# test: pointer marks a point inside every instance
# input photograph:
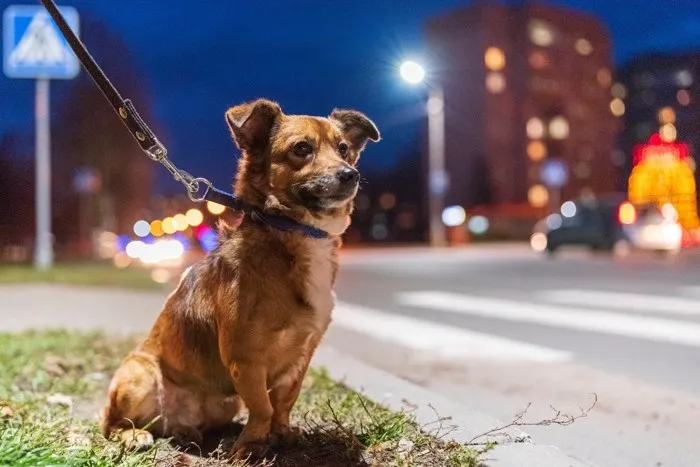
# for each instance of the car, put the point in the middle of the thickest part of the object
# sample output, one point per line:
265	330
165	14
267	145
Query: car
610	224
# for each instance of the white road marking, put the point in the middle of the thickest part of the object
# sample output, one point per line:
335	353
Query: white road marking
622	301
442	340
690	290
607	322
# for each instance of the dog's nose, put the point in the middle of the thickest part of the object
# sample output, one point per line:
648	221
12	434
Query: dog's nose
348	174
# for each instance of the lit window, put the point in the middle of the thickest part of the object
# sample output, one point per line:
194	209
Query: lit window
683	97
538	196
387	201
559	127
495	82
617	107
541	33
604	77
536	150
538	60
583	46
494	59
667	115
535	128
618	90
668	133
684	79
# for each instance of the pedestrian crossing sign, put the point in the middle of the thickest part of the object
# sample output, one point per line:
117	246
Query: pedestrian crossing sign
34	47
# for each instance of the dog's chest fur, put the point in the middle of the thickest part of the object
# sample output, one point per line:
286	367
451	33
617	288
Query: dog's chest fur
318	283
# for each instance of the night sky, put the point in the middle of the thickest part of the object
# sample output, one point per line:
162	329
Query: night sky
309	55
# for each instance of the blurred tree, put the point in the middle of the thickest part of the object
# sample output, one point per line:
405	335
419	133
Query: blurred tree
16	192
89	138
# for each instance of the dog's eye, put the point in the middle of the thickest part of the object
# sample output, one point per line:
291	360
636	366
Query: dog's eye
343	150
302	149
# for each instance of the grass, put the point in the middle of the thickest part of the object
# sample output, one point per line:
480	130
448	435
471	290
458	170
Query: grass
91	274
341	427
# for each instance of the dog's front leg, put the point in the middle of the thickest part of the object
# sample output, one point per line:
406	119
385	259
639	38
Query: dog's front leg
250	381
283	398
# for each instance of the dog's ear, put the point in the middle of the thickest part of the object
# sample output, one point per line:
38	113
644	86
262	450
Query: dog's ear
251	123
356	126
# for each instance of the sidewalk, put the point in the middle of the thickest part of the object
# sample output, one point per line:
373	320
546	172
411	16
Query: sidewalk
120	311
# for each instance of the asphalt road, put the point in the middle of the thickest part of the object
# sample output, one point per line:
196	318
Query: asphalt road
500	327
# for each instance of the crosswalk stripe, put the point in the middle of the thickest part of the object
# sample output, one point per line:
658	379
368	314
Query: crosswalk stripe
607	322
622	301
690	290
445	341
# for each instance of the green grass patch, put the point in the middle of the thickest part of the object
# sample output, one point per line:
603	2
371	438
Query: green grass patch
91	274
341	427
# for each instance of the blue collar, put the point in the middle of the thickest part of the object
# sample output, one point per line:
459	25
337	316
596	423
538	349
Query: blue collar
276	221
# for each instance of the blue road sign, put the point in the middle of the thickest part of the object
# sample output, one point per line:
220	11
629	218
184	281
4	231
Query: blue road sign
34	47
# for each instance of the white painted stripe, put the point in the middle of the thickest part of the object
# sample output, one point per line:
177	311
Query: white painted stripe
607	322
622	301
442	340
690	290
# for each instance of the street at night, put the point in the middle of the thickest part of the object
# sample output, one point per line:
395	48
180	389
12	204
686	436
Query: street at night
499	327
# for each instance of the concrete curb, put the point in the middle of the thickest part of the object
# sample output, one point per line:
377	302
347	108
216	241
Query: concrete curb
514	447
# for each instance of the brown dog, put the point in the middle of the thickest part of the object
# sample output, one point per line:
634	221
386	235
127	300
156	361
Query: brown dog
245	321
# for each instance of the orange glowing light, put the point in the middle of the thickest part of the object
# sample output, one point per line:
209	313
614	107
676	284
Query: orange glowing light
627	214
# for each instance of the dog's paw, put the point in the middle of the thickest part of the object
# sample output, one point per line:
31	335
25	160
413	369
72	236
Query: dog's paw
285	435
250	450
137	440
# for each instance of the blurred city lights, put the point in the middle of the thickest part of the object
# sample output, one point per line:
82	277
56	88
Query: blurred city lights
541	33
494	59
604	77
559	127
215	208
684	79
180	222
121	260
169	225
452	216
122	242
536	150
194	217
627	214
583	46
208	239
669	212
142	228
668	133
535	128
538	241
135	249
617	107
568	209
495	82
683	97
478	225
157	228
667	115
553	221
412	72
538	196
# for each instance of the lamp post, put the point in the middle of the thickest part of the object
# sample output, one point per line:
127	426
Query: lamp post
414	73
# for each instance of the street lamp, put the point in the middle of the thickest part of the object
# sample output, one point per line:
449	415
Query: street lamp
414	73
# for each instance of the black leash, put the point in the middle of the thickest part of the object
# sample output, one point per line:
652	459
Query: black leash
157	151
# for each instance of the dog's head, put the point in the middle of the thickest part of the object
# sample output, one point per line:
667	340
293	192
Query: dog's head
305	167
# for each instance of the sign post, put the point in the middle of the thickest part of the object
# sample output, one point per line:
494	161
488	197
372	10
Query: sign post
34	48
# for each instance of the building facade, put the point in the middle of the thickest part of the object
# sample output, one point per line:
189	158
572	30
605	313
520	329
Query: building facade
525	86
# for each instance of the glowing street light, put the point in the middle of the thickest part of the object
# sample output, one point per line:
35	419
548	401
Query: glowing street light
412	72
